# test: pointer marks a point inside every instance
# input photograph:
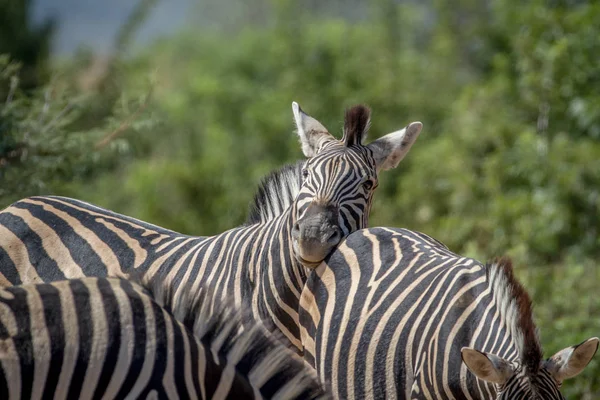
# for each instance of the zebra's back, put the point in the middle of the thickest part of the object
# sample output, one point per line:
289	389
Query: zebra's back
52	238
109	338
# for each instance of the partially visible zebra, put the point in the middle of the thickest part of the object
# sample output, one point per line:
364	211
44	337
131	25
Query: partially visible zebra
263	265
392	313
109	338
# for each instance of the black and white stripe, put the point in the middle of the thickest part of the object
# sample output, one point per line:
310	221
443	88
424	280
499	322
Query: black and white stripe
392	313
109	338
262	265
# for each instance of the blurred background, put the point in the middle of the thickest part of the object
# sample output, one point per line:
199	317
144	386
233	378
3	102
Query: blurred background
171	111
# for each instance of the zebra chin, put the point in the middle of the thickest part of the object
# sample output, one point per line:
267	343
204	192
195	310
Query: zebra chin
311	255
309	264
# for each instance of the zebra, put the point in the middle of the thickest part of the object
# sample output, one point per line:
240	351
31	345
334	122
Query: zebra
110	338
393	313
262	265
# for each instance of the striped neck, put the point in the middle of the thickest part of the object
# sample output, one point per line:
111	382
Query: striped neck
256	262
280	276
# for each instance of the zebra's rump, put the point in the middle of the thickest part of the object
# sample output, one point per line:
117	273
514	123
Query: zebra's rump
108	338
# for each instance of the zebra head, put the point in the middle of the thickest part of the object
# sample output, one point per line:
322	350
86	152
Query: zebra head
339	179
516	380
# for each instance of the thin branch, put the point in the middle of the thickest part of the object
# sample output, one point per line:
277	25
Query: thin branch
62	112
14	82
125	124
46	106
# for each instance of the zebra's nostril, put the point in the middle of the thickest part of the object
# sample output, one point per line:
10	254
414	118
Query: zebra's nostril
296	230
335	237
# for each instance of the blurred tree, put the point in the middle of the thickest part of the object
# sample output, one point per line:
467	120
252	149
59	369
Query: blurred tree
105	75
40	147
68	129
25	42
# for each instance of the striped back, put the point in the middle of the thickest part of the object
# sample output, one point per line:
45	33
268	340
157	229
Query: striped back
393	313
108	338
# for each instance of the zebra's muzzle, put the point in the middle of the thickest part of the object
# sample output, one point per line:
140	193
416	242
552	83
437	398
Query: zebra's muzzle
316	234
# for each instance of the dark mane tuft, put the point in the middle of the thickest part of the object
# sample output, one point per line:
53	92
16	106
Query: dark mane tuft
356	125
531	352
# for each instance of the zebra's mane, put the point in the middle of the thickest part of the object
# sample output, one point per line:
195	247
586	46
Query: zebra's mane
357	121
275	193
234	336
516	309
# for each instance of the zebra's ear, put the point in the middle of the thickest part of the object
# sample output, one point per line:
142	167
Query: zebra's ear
391	149
487	367
571	361
313	135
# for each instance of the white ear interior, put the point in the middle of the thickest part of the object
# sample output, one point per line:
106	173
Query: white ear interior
390	149
312	133
487	367
297	117
569	362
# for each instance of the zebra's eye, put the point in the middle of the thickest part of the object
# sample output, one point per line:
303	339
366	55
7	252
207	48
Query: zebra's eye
368	184
305	173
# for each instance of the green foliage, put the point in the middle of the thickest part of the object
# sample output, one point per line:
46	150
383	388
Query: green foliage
508	161
41	146
228	120
566	310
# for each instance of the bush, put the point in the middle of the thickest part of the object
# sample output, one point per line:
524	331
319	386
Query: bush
43	148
